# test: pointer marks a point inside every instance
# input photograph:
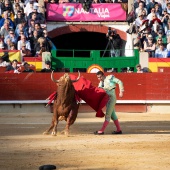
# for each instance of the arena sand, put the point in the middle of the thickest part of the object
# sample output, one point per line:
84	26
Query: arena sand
144	144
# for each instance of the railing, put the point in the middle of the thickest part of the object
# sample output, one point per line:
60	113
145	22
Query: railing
73	60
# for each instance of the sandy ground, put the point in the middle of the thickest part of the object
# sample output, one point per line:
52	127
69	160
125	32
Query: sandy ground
144	144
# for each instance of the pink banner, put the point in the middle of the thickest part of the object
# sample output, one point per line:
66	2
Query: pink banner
75	12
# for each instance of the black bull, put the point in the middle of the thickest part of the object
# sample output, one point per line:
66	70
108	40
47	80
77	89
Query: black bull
65	105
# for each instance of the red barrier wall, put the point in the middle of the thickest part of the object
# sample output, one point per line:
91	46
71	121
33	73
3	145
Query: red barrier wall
38	86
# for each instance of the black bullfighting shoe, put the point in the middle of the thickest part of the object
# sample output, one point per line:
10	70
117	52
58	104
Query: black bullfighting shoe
99	133
117	132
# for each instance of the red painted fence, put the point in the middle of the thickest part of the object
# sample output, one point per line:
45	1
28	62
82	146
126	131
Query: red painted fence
38	86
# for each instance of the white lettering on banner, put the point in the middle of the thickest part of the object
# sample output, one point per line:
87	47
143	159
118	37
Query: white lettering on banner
101	12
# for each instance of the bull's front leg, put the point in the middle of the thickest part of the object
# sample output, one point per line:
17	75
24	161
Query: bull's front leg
54	131
71	119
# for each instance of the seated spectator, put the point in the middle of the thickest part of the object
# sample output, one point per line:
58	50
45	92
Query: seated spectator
39	29
48	40
5	17
8	42
24	51
33	41
11	36
42	46
144	14
162	36
137	42
19	30
3	54
31	28
5	30
158	9
23	40
19	18
150	5
6	5
3	63
161	52
150	46
164	20
17	5
13	67
37	16
158	42
139	68
47	67
27	68
12	46
140	9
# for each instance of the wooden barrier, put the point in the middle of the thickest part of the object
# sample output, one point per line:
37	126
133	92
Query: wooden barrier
141	90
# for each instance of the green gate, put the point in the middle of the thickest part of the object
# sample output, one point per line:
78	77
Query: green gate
73	60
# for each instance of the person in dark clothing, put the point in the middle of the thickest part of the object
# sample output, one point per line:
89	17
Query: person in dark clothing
27	68
115	42
47	67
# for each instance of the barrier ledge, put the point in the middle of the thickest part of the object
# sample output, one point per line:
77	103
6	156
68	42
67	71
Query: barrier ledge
118	101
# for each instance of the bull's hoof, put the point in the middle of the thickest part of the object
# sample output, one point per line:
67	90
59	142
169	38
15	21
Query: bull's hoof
45	133
53	134
62	132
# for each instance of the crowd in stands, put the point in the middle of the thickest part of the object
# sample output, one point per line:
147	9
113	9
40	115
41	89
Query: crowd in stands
151	25
23	28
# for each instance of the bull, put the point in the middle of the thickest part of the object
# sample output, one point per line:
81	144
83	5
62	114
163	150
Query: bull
65	105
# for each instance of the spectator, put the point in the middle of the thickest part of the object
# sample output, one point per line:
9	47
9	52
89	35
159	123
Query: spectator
19	18
158	42
13	67
33	41
161	52
31	28
21	31
162	36
3	54
5	17
3	63
140	9
137	42
12	46
5	30
6	5
23	40
39	16
47	67
41	46
158	9
139	20
139	68
8	42
144	14
48	40
24	51
27	68
151	5
11	36
153	14
164	20
150	46
39	29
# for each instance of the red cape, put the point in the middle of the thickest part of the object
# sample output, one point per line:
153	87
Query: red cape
95	97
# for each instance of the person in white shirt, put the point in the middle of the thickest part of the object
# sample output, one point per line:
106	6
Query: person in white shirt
23	40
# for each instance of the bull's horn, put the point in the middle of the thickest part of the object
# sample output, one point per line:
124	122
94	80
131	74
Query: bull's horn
77	78
52	78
